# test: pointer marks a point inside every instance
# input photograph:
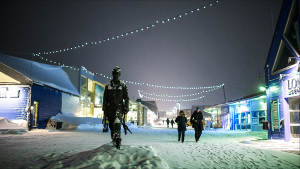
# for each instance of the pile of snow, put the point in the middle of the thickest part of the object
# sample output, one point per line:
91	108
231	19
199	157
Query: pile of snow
90	127
83	123
14	124
107	157
76	120
12	127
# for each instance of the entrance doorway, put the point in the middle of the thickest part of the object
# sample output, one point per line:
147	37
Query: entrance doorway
294	104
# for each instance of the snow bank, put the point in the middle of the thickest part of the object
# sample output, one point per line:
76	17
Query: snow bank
76	120
90	127
14	124
12	127
107	157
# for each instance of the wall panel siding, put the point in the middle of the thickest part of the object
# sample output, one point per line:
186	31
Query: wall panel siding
49	103
14	108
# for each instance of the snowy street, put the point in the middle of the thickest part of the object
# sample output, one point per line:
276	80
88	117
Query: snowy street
216	149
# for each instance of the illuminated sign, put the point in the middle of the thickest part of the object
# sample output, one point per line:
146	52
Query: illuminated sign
292	86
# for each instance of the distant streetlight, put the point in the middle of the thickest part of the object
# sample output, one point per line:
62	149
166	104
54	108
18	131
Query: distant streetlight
262	88
178	106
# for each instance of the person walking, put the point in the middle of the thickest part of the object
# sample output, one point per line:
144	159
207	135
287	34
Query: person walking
168	121
172	123
196	120
181	121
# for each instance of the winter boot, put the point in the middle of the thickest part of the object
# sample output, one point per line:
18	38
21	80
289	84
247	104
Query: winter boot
118	143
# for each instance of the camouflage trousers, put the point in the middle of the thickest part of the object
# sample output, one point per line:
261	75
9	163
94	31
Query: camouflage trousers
115	127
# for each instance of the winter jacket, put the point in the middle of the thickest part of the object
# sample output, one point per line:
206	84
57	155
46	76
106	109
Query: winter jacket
172	122
115	98
197	116
181	122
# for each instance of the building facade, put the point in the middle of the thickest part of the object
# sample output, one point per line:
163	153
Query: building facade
247	113
28	86
282	75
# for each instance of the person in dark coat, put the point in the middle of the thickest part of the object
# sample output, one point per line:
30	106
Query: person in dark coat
115	105
181	121
196	120
168	121
172	123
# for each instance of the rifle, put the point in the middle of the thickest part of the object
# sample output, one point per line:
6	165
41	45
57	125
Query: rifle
124	125
104	124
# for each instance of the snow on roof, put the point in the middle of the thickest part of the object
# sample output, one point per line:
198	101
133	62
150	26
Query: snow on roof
43	74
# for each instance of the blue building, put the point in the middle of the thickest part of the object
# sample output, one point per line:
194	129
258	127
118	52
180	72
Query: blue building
31	86
282	75
248	113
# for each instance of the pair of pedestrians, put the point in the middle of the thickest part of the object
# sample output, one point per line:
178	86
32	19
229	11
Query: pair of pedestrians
196	120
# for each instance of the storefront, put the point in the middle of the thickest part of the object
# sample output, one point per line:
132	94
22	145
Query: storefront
291	95
248	113
282	75
91	93
240	115
215	120
258	109
225	117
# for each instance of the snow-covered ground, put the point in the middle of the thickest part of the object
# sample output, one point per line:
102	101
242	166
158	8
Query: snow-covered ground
147	147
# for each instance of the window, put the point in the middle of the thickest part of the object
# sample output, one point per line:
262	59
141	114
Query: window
3	92
290	46
292	28
83	86
9	92
282	58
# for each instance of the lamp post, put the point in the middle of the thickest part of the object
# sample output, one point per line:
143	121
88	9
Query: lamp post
224	94
178	104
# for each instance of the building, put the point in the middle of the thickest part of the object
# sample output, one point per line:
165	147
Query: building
47	90
215	119
31	86
248	112
91	92
282	75
150	111
245	113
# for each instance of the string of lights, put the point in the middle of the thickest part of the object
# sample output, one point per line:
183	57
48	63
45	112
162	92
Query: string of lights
177	96
145	84
128	33
171	100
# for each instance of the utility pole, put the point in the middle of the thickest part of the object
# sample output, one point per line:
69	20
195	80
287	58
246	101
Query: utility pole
224	93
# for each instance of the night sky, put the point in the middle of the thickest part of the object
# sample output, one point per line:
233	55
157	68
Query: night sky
227	43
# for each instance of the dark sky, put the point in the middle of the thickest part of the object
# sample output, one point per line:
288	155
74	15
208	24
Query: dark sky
227	43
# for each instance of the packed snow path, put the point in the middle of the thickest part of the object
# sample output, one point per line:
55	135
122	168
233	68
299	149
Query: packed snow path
216	149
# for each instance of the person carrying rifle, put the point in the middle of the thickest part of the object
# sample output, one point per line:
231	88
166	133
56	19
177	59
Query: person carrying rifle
116	106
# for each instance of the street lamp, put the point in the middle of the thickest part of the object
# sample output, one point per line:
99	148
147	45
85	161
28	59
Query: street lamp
178	106
262	88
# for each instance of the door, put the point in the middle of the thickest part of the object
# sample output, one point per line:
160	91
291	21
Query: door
294	104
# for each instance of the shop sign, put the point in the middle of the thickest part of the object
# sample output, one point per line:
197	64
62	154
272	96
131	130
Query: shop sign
292	86
275	114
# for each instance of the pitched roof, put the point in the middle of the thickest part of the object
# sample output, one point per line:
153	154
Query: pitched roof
42	74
